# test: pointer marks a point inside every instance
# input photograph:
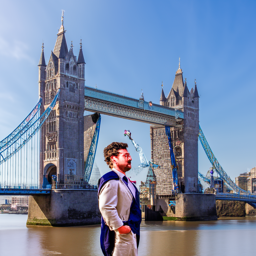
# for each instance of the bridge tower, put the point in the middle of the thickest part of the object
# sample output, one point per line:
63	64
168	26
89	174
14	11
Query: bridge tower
184	139
62	137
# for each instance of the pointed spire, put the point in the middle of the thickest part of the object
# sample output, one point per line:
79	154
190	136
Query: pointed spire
42	60
162	97
80	56
62	18
196	95
179	71
71	49
61	30
60	48
186	91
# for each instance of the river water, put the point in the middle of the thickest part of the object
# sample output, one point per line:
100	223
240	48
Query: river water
233	236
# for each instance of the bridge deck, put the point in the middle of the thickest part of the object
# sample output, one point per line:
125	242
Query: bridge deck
129	108
24	192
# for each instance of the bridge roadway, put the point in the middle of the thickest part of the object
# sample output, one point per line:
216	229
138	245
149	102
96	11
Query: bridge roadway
24	191
134	109
39	191
250	199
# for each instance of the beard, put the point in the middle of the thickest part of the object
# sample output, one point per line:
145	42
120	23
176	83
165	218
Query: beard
127	167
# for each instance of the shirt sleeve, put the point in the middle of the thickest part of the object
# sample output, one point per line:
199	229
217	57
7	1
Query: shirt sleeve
108	199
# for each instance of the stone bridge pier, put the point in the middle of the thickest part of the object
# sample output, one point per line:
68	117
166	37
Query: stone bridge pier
64	207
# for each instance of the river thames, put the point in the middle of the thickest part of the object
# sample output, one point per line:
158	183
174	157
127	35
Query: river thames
229	236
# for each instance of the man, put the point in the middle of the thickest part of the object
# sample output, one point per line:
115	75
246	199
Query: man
119	205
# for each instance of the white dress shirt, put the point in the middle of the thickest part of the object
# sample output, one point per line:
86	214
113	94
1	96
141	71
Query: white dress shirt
130	185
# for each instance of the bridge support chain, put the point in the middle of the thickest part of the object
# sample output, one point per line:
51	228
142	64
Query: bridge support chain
187	207
64	208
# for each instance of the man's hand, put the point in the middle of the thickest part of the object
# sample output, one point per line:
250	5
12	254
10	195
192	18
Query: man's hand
124	229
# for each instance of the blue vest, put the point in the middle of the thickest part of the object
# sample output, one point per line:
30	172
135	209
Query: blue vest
107	237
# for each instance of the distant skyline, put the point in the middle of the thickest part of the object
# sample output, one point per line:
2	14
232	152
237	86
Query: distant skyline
133	46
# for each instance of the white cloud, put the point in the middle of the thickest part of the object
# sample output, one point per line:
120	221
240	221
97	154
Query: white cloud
16	49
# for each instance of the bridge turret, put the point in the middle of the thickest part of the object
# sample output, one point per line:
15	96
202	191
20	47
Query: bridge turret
184	139
81	62
62	138
162	98
41	66
196	96
186	91
41	73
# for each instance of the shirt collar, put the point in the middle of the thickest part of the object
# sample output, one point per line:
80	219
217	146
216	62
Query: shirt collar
121	175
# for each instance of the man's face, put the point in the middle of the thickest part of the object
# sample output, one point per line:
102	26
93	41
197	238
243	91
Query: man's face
123	161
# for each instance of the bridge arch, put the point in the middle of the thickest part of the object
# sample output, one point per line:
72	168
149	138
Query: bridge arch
49	170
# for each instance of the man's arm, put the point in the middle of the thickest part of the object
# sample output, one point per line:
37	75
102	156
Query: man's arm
108	203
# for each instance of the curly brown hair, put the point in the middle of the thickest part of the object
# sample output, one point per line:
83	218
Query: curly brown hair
112	150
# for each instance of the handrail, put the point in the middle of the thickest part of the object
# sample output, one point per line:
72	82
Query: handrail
217	165
28	119
11	148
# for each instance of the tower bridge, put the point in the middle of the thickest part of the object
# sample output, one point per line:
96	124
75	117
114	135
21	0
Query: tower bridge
54	147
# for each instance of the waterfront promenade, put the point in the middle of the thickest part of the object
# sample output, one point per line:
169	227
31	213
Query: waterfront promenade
230	236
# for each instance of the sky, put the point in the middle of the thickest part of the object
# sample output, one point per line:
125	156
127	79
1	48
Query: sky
134	46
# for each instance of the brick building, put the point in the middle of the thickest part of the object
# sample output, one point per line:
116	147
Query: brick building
247	180
20	200
251	181
184	139
241	180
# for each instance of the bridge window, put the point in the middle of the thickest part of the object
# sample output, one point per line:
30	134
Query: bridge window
72	88
172	101
178	151
67	67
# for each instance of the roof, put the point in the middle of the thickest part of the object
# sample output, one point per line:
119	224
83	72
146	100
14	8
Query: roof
162	98
196	95
186	91
42	59
178	84
60	48
54	58
80	57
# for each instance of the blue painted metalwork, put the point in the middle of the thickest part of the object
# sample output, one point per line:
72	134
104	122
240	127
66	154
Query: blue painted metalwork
204	178
172	203
250	199
24	192
173	161
26	122
135	103
216	165
92	152
28	129
19	152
